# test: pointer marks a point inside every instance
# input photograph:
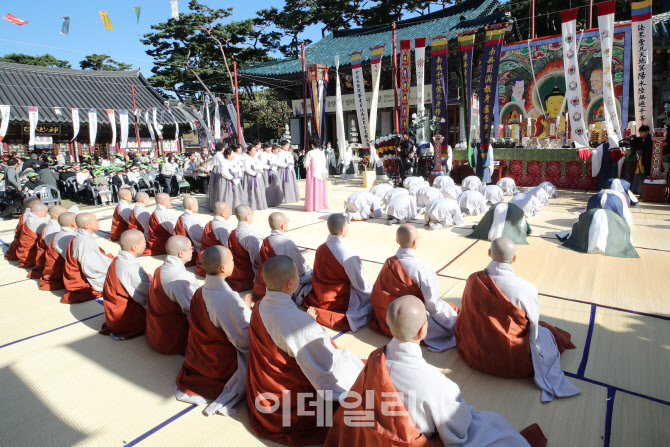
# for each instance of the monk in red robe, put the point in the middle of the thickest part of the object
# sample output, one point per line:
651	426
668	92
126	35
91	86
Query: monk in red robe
290	357
339	297
161	225
499	331
33	225
169	299
44	238
424	407
54	262
216	232
126	289
10	255
187	225
245	245
121	214
86	264
218	340
140	217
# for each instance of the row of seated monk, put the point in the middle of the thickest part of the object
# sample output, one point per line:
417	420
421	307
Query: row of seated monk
262	346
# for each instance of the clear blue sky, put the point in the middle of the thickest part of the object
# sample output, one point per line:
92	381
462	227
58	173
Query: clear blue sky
88	34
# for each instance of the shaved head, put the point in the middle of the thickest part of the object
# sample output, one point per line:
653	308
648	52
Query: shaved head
241	212
56	211
66	219
141	197
221	208
406	235
176	244
125	194
190	203
336	222
276	220
277	271
84	219
405	317
214	257
130	238
39	208
162	199
29	200
503	250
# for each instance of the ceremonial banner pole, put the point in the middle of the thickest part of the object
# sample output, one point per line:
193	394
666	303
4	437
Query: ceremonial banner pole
420	60
488	94
405	77
642	58
466	45
439	69
573	83
396	122
137	124
237	106
359	98
376	60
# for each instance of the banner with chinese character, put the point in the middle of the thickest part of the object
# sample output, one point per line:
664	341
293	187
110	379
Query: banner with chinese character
359	97
147	120
466	45
405	77
572	79
487	87
112	124
92	126
158	130
420	61
75	123
376	61
123	124
439	75
217	121
4	116
642	59
33	117
105	21
339	114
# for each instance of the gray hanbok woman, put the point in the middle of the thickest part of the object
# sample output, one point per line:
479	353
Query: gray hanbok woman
232	190
216	182
287	178
253	181
273	192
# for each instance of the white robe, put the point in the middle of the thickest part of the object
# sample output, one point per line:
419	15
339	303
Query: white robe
178	283
627	215
346	161
443	212
493	194
550	189
426	195
299	335
451	191
402	207
317	159
250	242
143	217
62	240
416	187
530	204
36	223
124	210
165	218
283	246
360	308
508	185
442	180
409	181
435	403
93	264
546	358
362	205
228	313
381	189
540	193
471	183
617	186
441	316
133	277
221	230
192	226
49	231
472	202
393	193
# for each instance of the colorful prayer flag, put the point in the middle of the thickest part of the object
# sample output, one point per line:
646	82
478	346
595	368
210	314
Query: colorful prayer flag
359	97
65	28
440	76
376	53
15	20
405	75
105	21
137	9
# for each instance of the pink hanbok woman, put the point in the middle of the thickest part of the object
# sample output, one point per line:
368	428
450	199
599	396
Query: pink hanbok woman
316	194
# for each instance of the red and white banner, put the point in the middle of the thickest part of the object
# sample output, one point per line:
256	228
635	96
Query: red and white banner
15	20
112	124
606	28
148	121
33	117
75	123
92	127
4	116
158	131
176	125
573	83
642	58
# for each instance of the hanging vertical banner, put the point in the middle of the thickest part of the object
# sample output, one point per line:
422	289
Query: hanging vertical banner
209	122
33	117
574	96
612	123
642	58
439	75
405	70
15	20
377	53
359	97
488	86
65	28
105	21
75	123
4	116
217	120
92	127
158	130
147	120
204	136
112	124
123	124
175	9
466	45
176	125
138	10
232	112
339	114
420	61
317	96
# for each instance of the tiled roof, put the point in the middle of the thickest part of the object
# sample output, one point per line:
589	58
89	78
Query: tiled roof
22	86
661	26
470	14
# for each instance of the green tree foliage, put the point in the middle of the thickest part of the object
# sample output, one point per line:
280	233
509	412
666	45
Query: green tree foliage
103	62
45	60
264	115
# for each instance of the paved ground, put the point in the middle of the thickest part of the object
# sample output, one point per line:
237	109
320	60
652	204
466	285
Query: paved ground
63	384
